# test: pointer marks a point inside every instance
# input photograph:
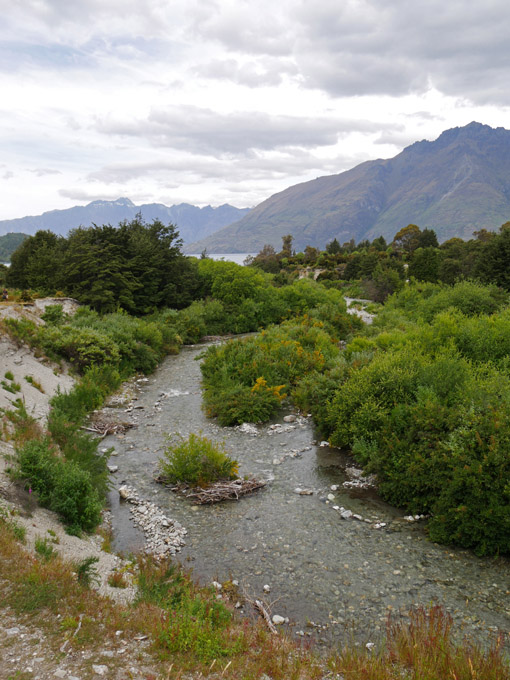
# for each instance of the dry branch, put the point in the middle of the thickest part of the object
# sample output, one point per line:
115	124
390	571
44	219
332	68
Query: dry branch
104	428
218	491
259	606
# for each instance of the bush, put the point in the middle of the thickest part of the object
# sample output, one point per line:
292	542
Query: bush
197	461
60	485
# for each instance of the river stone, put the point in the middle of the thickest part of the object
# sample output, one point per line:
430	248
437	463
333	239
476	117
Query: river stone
289	419
278	620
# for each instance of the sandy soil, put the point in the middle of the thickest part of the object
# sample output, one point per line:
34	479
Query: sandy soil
22	363
23	652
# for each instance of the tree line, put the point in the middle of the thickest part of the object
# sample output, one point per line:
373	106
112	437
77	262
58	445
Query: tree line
136	266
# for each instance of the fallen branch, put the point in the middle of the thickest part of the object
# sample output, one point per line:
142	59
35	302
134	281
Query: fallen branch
105	428
218	491
259	606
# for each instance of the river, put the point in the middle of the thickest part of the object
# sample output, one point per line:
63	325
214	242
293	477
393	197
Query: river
344	576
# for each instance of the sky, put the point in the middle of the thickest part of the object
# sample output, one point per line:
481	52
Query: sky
231	101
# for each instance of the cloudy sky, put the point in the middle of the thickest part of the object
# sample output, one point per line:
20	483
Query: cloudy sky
231	101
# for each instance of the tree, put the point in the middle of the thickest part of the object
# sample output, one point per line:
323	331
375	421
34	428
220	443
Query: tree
379	243
311	254
428	239
37	262
407	239
266	259
424	265
287	246
333	247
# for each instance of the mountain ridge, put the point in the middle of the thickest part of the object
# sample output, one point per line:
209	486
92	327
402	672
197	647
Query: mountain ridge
455	184
192	222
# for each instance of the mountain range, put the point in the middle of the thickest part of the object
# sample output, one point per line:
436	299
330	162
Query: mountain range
192	222
455	185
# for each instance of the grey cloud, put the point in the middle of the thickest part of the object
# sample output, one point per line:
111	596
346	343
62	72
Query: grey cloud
8	174
202	131
461	48
373	47
40	172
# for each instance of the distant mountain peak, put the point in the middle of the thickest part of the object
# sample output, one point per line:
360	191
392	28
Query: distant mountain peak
192	222
455	184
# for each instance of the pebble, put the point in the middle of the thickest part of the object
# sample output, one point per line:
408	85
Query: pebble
266	588
331	497
163	536
113	468
278	620
99	669
289	419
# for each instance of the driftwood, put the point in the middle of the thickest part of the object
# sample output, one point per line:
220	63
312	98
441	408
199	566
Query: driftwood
218	491
104	428
259	606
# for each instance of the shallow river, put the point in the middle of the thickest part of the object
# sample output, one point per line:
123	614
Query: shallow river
345	575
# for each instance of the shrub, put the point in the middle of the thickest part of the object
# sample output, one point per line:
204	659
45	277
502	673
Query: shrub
60	485
197	461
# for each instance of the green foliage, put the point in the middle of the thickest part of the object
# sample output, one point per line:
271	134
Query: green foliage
36	592
44	548
199	627
425	407
246	380
137	266
197	461
9	243
86	571
54	315
60	485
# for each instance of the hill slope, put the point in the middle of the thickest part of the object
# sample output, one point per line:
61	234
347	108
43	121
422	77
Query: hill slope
455	185
192	222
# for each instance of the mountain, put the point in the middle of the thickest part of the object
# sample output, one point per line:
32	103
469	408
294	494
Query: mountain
455	185
192	222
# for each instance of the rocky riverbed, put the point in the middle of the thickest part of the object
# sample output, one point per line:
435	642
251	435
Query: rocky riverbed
336	558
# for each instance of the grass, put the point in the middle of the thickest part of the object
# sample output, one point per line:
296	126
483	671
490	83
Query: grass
193	632
35	383
44	548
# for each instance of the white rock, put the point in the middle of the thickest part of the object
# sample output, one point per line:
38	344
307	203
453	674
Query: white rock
113	468
346	514
267	589
99	669
217	585
334	487
278	620
289	419
324	443
370	646
331	497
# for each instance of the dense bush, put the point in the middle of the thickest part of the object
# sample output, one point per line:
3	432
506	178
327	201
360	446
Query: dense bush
426	407
197	461
61	485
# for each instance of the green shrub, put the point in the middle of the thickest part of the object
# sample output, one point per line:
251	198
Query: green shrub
86	571
60	485
44	549
197	461
54	315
